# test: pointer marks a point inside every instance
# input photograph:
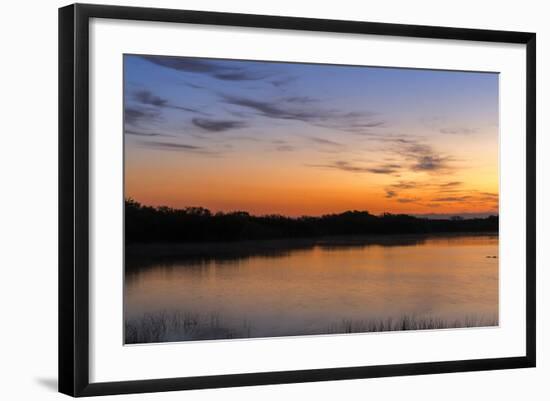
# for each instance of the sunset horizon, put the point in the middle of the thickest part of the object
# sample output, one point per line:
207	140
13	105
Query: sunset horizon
466	215
309	139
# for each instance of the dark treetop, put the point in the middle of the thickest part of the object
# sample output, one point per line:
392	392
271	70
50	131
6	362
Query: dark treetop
197	224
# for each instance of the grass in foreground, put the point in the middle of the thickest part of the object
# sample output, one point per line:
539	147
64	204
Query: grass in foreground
177	326
409	322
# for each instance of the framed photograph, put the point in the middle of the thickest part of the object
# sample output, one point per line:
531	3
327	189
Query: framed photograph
250	199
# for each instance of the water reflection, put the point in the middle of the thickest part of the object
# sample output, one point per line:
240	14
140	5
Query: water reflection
275	288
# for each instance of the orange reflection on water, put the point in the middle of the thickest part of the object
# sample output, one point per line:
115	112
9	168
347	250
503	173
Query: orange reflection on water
304	291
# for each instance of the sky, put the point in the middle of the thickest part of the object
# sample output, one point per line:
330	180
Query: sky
309	139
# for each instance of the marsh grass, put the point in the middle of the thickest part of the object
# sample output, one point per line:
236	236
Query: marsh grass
410	322
178	326
167	326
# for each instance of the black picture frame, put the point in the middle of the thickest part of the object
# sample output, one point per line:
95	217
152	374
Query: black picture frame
74	191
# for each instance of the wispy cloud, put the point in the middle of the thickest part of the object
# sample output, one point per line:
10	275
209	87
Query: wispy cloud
144	134
407	155
282	81
354	168
438	193
421	157
405	185
306	110
285	148
212	68
180	147
458	131
245	138
408	200
452	199
385	169
323	141
450	184
300	99
272	109
146	97
430	162
472	197
193	85
373	124
137	115
445	126
212	125
435	187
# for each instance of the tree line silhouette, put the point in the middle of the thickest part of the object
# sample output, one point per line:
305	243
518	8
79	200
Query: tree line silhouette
197	224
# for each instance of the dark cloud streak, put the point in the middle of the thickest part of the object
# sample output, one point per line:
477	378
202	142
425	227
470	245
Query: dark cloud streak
408	200
282	82
458	131
144	134
214	69
305	110
180	147
212	125
430	162
137	115
285	148
346	166
422	157
324	141
453	199
148	98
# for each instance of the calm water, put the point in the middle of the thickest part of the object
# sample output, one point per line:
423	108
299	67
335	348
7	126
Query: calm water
276	289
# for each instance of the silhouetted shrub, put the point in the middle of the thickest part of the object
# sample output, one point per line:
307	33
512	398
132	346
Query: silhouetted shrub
197	224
